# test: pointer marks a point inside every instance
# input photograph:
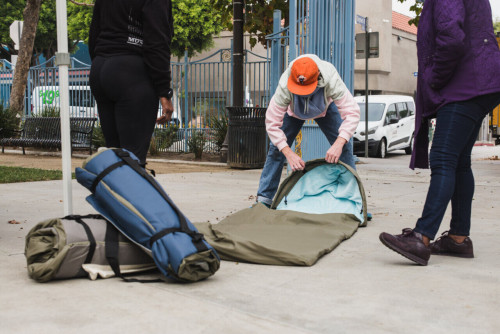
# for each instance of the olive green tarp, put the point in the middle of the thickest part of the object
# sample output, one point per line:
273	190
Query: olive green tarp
265	235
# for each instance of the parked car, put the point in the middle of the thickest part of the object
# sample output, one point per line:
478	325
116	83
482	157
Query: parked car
81	101
391	124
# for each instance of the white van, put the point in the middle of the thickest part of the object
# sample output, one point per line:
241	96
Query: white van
391	124
81	101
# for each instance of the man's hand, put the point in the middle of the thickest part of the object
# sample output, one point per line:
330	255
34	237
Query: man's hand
167	110
334	152
295	162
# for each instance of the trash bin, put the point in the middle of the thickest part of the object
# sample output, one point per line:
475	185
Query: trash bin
247	137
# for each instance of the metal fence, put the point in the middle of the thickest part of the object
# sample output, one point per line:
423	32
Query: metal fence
202	90
6	74
321	27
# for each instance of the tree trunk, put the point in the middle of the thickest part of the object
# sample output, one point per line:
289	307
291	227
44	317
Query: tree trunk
31	15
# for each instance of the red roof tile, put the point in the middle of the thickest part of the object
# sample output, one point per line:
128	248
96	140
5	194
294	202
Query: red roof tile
400	22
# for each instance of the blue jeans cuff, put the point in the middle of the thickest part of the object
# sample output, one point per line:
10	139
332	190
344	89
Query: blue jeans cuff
264	200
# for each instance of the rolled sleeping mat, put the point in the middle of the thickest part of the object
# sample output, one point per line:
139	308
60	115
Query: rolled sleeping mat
79	246
136	204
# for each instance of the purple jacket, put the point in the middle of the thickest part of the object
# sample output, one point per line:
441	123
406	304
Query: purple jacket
458	59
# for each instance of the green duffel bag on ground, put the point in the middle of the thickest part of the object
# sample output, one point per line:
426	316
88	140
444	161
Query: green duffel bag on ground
79	246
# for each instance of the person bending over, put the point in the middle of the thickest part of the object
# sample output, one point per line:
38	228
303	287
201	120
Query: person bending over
310	88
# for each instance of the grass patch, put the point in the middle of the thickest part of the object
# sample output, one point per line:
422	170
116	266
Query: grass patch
20	174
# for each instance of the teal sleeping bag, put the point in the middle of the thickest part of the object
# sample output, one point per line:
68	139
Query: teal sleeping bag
313	211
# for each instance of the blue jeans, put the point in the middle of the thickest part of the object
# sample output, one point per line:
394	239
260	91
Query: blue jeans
457	128
271	174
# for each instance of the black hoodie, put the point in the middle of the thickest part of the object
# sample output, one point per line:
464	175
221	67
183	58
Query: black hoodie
135	27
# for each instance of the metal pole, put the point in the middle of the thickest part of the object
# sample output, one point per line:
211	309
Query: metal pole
275	52
63	61
292	24
367	55
186	99
238	53
237	95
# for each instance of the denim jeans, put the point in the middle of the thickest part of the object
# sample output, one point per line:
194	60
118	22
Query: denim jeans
271	174
457	128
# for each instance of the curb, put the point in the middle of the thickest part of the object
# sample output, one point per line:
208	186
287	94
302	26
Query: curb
85	156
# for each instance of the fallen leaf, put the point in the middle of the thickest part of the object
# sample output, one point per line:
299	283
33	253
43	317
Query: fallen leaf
13	221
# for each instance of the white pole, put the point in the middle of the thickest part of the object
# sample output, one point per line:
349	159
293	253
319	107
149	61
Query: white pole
63	61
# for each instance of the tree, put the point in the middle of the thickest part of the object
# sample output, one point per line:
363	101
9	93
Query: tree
10	10
258	17
79	17
496	25
195	24
46	32
417	9
31	14
44	42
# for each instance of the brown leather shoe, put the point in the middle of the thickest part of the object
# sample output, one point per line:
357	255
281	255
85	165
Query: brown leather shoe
409	244
445	245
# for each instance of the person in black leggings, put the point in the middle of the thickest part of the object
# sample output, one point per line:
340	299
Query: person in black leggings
129	43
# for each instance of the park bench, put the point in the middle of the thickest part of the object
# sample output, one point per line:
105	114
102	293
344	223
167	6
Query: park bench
45	132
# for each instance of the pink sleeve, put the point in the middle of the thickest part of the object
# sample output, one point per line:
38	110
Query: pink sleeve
349	111
274	121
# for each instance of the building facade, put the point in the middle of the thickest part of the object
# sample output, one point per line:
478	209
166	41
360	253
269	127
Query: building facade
394	71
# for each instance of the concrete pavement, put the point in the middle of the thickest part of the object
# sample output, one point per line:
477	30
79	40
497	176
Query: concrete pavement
361	287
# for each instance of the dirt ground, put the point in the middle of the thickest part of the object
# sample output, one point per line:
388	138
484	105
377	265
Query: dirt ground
54	162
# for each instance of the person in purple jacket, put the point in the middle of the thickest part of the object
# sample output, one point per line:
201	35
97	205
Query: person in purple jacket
458	84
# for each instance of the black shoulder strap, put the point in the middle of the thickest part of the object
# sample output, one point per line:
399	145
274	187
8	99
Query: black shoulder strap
197	238
111	251
105	172
90	236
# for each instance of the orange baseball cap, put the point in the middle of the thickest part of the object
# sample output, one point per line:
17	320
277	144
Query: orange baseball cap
303	78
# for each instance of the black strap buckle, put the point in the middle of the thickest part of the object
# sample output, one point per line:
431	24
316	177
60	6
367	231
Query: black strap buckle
122	153
196	237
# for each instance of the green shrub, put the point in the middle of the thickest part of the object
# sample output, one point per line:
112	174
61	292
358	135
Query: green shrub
98	138
196	143
162	139
49	111
9	122
218	126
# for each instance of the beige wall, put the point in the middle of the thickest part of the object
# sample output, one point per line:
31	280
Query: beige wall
379	13
404	63
392	72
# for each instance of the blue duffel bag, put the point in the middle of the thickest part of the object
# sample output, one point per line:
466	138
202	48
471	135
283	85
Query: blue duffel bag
135	203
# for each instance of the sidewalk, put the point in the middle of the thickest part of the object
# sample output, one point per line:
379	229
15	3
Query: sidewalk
361	287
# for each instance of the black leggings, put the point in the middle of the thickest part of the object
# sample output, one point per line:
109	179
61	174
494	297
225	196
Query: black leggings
126	101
